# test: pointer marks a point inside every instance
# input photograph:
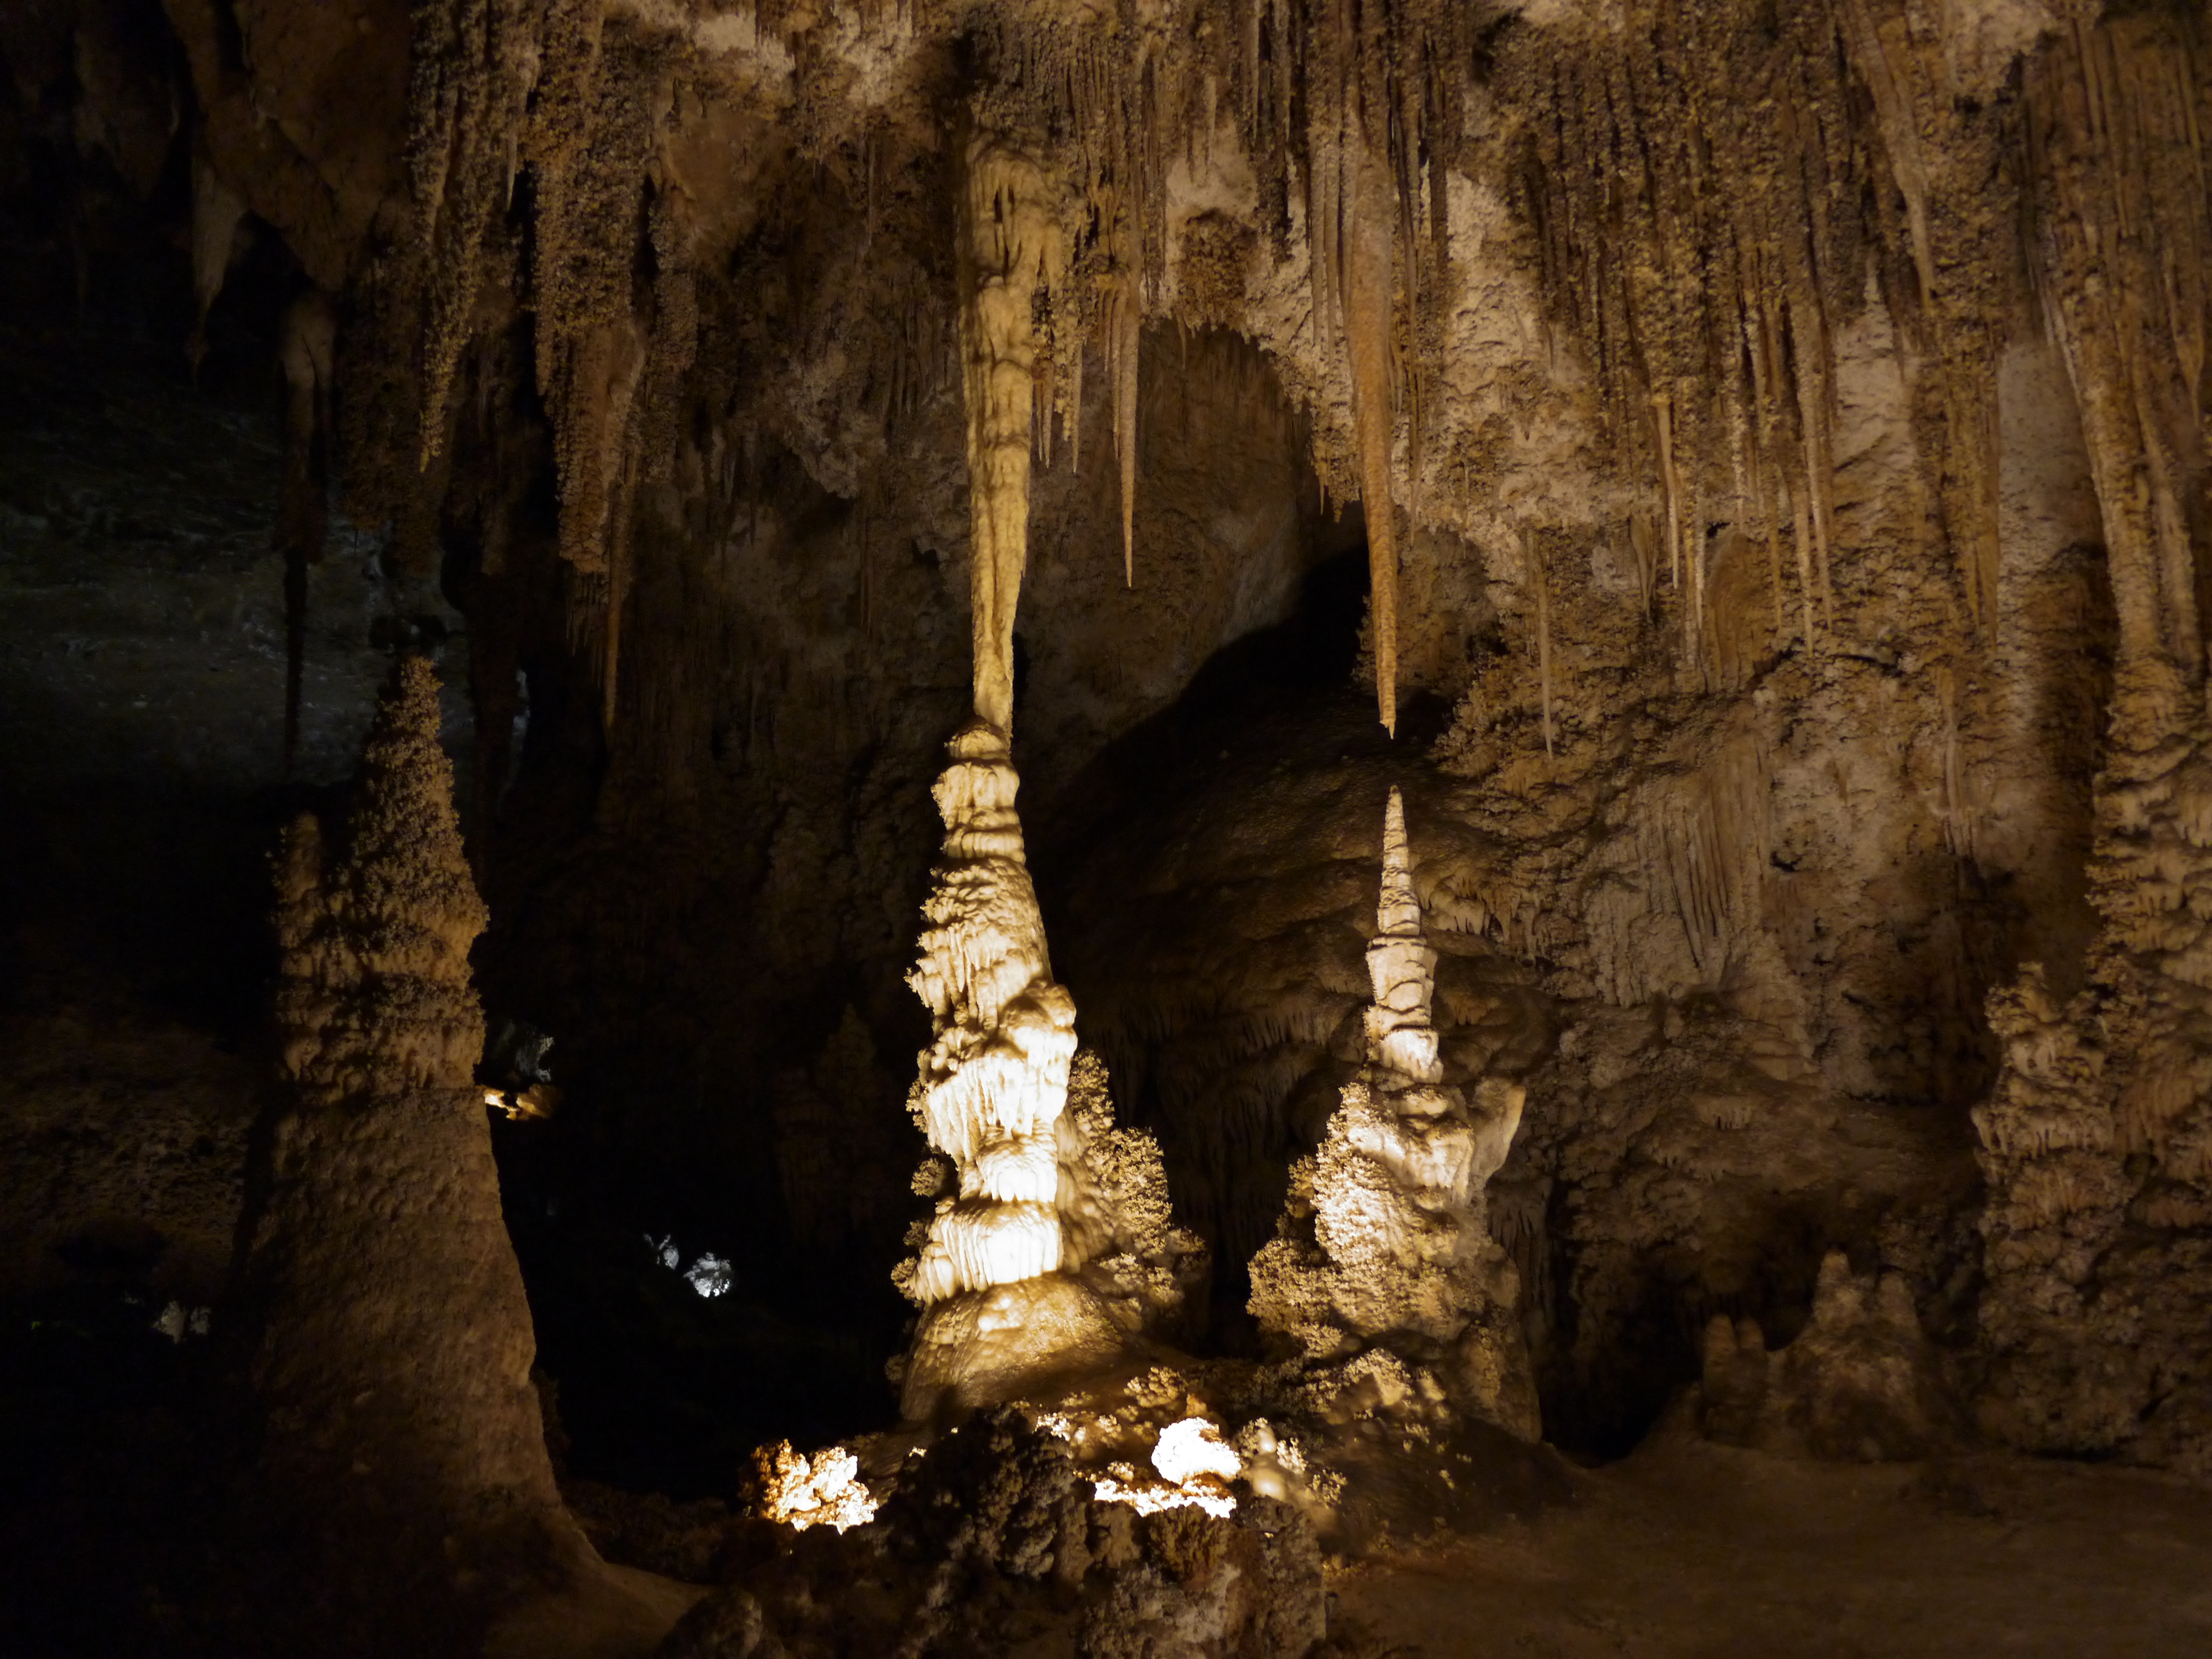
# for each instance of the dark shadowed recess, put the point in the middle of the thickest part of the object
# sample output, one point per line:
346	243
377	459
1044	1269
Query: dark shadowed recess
1285	706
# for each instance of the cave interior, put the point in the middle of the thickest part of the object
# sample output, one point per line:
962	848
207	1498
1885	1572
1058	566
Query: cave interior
1278	828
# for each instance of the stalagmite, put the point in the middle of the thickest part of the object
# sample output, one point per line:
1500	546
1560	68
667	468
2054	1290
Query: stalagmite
1382	1275
379	1310
1859	1383
999	1316
381	1178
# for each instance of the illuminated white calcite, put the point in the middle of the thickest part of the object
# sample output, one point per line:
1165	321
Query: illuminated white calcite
998	1313
1383	1267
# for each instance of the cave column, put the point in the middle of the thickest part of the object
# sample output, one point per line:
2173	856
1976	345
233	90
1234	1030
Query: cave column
999	1317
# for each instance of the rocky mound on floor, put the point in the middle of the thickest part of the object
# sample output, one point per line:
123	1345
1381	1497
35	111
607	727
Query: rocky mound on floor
993	1544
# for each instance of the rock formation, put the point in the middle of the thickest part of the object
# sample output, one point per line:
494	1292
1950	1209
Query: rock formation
1778	431
401	1455
1116	1215
1859	1383
1384	1277
993	1545
1007	1307
999	1316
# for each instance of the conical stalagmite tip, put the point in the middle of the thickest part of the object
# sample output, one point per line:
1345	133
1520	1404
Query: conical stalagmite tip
1398	912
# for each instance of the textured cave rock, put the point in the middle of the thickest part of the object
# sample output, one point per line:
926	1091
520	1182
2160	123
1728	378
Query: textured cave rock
992	1546
1740	469
397	1445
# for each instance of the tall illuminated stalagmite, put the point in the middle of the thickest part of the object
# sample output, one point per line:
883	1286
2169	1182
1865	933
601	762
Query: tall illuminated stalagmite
1383	1276
999	1315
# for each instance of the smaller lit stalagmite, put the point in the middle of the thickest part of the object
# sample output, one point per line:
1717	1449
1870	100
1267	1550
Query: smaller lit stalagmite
1383	1276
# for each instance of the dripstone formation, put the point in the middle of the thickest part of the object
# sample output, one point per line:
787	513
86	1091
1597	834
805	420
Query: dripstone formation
399	1456
1384	1276
1734	478
999	1317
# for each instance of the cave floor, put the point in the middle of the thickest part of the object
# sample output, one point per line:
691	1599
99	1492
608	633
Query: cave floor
1689	1549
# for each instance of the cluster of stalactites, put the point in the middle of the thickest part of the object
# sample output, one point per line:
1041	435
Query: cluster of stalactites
994	1080
1650	157
1715	190
557	89
1349	117
2119	139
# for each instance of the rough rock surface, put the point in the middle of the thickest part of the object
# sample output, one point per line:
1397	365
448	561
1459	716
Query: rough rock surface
993	1545
400	1457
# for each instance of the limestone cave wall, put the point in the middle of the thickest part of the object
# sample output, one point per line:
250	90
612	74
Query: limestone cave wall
1738	467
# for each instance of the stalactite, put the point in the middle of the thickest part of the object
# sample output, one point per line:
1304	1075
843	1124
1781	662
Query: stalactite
1124	330
1368	313
1008	241
1532	553
590	344
1709	192
474	65
1947	152
2117	116
642	453
1670	486
217	211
